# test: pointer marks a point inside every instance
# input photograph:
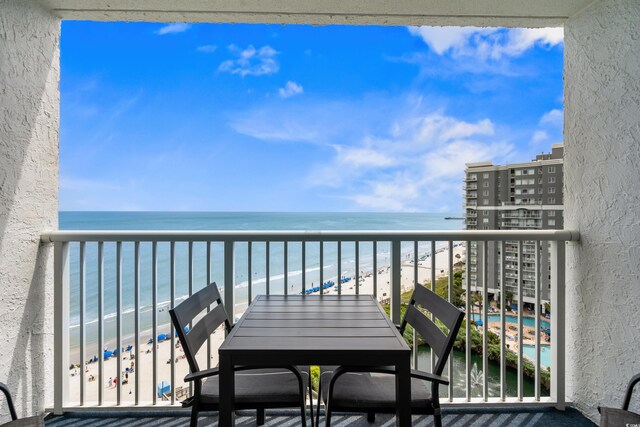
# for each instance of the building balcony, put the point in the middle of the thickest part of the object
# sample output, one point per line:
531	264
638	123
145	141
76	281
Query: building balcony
521	215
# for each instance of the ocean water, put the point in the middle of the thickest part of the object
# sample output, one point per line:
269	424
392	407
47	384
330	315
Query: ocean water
219	221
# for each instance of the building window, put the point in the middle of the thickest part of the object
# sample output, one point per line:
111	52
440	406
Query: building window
552	169
485	175
552	180
485	220
552	200
485	202
552	190
485	184
552	222
552	213
485	213
485	193
540	181
539	190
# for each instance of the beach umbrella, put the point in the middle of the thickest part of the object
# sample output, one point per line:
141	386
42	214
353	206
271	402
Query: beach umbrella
107	354
164	387
479	322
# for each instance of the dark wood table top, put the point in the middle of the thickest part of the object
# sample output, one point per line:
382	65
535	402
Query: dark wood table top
318	325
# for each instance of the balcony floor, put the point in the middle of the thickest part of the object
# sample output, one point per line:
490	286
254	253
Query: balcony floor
452	417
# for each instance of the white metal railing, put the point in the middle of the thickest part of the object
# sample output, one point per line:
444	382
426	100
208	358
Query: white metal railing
108	268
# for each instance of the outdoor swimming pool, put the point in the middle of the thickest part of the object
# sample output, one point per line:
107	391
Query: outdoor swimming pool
526	321
545	354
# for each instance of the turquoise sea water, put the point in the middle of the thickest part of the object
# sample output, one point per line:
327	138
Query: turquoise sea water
219	221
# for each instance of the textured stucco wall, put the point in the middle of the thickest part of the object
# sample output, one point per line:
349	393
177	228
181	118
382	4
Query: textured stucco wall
602	190
29	121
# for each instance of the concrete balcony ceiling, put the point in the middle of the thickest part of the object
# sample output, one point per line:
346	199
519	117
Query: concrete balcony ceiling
513	13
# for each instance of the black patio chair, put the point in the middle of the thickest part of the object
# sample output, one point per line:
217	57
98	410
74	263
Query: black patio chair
36	421
372	389
258	389
611	417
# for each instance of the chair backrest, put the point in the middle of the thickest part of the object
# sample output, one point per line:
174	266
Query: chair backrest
441	343
183	315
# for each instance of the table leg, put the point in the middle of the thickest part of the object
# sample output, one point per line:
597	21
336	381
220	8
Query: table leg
227	392
403	393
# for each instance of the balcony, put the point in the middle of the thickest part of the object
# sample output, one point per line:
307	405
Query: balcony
470	187
524	202
598	40
521	215
520	224
113	289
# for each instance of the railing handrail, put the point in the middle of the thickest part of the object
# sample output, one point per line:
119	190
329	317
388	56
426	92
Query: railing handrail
305	235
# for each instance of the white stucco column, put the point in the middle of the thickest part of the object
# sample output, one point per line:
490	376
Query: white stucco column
29	122
602	201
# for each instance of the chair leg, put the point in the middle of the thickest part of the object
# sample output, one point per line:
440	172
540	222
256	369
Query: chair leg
327	415
319	400
437	417
371	417
303	413
304	404
260	416
194	416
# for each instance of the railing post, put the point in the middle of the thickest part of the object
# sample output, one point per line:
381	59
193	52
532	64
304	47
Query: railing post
229	278
61	325
558	323
395	281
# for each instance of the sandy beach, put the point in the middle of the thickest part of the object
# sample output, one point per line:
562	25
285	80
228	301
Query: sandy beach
144	366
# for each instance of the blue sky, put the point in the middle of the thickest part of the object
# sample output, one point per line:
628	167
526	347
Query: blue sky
213	117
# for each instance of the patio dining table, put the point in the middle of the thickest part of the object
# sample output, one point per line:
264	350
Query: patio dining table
350	330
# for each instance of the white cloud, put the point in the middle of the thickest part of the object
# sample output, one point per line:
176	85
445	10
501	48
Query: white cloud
487	43
415	166
176	27
442	39
251	61
385	154
207	48
539	136
358	157
554	117
290	89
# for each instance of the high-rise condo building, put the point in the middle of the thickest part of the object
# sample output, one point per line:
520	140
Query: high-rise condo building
519	196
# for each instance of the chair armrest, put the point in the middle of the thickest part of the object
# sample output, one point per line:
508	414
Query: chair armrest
429	377
7	395
201	374
390	370
627	396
